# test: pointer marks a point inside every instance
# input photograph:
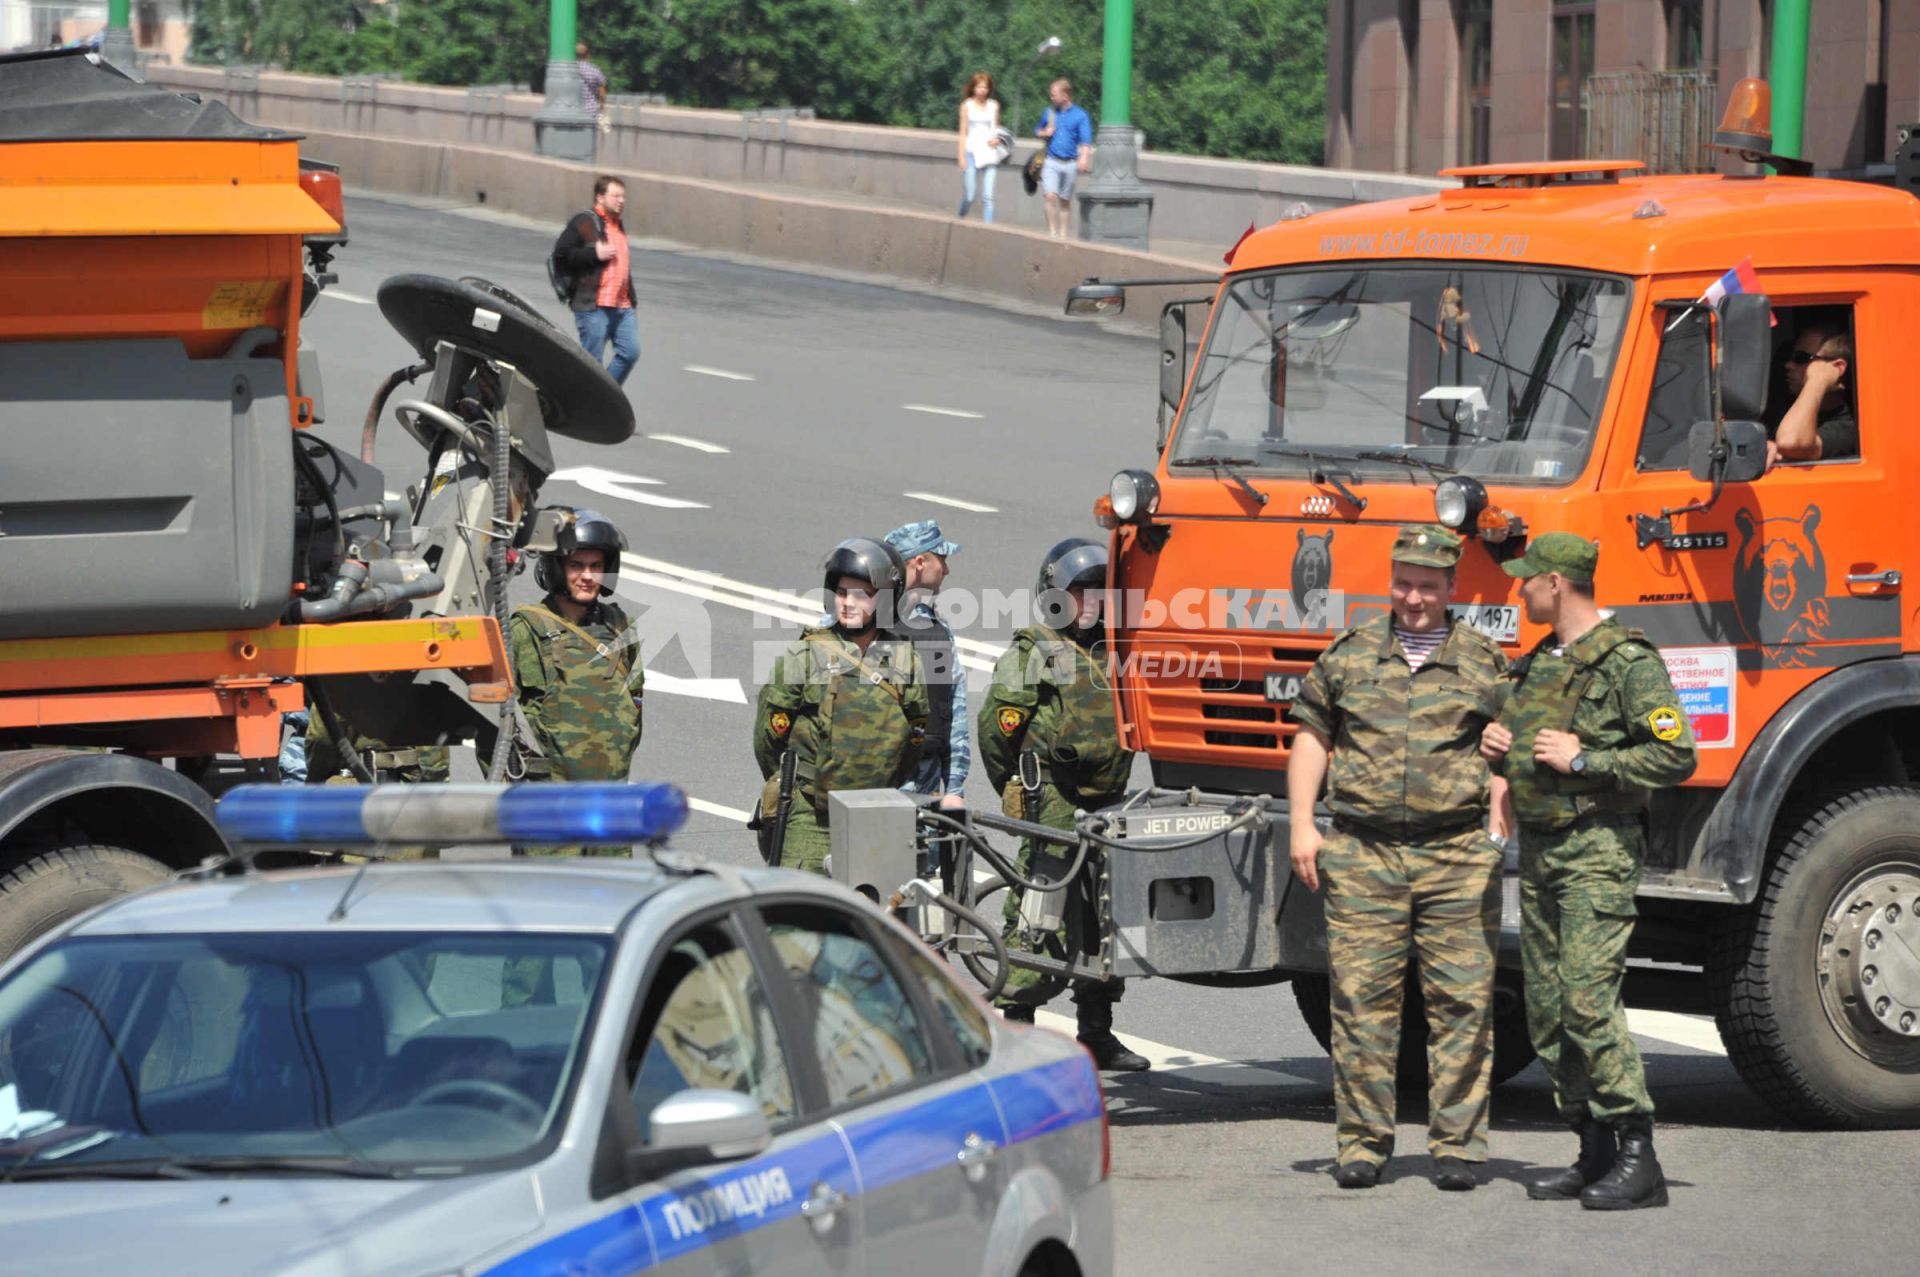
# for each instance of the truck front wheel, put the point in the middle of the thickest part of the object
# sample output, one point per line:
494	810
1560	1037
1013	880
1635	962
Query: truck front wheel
1512	1048
1816	987
52	886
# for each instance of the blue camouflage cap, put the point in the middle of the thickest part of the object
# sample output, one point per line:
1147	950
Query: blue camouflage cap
920	538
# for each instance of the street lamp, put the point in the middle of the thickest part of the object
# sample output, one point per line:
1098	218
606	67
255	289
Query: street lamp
1048	47
1116	206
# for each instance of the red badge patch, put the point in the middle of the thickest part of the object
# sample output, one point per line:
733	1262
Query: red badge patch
1011	717
779	723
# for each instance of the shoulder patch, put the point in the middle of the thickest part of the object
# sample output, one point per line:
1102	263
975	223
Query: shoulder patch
1666	723
779	722
1011	718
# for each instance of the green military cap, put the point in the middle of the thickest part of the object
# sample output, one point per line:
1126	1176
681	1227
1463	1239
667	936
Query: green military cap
1573	557
1427	544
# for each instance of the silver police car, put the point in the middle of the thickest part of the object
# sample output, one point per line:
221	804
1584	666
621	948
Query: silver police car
529	1066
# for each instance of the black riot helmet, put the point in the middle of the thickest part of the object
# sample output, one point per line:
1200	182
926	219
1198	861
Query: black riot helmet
876	563
1074	562
584	530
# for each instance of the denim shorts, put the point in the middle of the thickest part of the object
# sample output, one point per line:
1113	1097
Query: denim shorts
1057	176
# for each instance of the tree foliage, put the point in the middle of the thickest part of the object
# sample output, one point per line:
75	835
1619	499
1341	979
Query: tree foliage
1232	78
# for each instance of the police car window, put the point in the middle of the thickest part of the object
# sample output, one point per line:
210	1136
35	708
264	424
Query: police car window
705	1024
865	1032
963	1018
1682	390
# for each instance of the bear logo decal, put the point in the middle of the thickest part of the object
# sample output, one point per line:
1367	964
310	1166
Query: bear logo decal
1780	582
1312	567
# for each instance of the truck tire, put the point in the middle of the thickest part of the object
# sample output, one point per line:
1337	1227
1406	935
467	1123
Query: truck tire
1512	1048
1816	987
43	892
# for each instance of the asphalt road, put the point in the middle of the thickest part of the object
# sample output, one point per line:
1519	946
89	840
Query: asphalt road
781	412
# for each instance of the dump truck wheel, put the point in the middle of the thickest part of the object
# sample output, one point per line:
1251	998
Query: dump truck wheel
1512	1048
42	892
1816	987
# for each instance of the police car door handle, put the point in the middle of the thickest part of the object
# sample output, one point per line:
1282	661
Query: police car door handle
974	1155
1887	580
822	1205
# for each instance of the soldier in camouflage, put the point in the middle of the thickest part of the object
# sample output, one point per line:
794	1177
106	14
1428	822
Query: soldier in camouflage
849	700
1392	713
1590	728
576	664
1052	695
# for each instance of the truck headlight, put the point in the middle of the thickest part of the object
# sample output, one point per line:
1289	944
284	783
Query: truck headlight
1135	495
1458	501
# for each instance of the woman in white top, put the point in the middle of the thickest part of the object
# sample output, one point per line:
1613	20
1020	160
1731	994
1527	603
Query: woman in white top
980	155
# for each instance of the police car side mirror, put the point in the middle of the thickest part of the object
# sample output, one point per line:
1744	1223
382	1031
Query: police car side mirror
720	1126
1746	346
1741	459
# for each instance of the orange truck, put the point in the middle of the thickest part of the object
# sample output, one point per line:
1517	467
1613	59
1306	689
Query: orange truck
1578	347
182	561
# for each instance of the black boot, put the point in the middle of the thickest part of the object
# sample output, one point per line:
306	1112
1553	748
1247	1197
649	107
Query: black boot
1635	1182
1094	1014
1597	1152
1018	1012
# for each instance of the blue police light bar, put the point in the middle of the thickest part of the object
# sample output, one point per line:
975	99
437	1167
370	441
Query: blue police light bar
449	815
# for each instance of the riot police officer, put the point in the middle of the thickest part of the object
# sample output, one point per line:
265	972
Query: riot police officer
1051	745
846	707
576	660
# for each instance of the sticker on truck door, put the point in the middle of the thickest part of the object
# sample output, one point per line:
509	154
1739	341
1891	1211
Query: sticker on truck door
1498	621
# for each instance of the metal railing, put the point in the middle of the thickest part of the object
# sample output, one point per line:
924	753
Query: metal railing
1664	118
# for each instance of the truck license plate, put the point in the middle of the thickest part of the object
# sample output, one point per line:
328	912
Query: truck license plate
1498	621
1284	687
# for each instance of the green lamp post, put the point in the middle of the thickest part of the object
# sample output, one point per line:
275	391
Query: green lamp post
1789	75
1116	206
564	128
116	42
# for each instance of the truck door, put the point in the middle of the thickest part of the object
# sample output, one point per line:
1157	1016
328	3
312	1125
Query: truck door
1785	573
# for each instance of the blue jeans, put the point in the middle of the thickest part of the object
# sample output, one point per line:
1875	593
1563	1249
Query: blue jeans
598	324
967	179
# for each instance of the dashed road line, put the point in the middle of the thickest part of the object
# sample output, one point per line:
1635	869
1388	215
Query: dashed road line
943	412
955	502
612	483
1695	1032
702	370
1190	1066
719	809
698	445
726	690
342	295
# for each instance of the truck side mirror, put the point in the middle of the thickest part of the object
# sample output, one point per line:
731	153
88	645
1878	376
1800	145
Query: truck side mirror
1173	363
1740	452
1096	301
1746	347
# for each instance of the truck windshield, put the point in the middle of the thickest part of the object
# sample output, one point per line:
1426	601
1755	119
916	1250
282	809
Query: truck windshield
1422	369
349	1053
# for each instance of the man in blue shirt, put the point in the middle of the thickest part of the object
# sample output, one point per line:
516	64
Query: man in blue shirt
1069	135
948	754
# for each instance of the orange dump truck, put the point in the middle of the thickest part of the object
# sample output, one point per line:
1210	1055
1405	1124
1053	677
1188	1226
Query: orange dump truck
182	561
1530	352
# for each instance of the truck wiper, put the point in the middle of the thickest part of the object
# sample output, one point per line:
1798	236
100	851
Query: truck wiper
1227	464
199	1167
1317	472
1434	468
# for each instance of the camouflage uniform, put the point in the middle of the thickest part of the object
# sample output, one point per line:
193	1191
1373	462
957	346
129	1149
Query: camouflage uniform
1408	869
580	688
1582	840
854	721
423	764
1051	694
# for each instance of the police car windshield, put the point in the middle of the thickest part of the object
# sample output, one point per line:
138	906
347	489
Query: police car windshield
403	1054
1499	373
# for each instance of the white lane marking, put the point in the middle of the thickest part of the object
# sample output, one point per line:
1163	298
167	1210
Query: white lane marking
1695	1032
1190	1065
703	371
726	690
797	605
342	295
716	809
612	483
955	502
943	412
698	445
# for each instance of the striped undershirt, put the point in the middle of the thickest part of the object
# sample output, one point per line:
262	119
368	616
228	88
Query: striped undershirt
1419	647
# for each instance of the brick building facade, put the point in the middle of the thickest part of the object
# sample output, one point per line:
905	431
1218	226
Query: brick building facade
1416	85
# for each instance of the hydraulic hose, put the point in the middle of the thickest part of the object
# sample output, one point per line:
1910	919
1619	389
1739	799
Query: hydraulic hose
1002	864
972	919
387	387
323	706
497	585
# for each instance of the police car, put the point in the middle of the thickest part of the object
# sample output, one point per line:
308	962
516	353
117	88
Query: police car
525	1066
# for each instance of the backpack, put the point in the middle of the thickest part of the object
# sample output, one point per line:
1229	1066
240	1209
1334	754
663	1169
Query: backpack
563	280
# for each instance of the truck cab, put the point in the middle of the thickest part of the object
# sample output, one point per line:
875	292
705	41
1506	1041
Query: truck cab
1580	346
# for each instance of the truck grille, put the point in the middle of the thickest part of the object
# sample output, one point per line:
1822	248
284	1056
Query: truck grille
1219	712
